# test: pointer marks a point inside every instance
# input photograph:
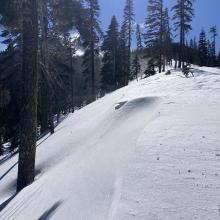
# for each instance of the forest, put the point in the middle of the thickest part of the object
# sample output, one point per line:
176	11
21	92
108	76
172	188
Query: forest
58	60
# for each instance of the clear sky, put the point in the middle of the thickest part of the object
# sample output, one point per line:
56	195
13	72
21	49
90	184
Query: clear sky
207	13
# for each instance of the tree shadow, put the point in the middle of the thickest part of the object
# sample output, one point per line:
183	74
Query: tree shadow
50	212
6	202
1	177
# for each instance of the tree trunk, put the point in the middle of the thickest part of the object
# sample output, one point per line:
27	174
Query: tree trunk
72	81
175	66
183	49
181	34
164	64
27	150
161	39
180	49
48	87
129	53
93	71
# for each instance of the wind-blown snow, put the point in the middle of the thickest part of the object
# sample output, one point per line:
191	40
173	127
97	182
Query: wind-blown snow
148	151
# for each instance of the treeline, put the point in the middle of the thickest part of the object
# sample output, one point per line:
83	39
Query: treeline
42	77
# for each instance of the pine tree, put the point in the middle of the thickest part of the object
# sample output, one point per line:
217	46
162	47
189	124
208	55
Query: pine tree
167	40
127	28
195	51
150	71
46	89
56	19
110	58
213	32
139	38
27	150
135	68
203	50
155	30
219	59
91	39
210	61
190	57
123	58
183	14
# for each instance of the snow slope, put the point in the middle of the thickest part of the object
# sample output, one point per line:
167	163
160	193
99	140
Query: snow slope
148	151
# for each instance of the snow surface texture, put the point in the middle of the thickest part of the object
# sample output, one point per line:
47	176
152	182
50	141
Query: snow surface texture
149	151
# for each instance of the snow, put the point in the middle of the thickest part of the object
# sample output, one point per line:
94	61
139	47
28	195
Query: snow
148	151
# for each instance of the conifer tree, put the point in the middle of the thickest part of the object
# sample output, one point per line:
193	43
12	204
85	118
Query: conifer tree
219	59
139	38
150	71
190	57
195	51
213	32
203	49
127	28
135	68
155	30
46	90
110	58
123	58
92	35
210	59
167	39
27	149
183	15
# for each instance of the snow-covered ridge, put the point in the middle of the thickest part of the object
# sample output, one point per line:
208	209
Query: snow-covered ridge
147	151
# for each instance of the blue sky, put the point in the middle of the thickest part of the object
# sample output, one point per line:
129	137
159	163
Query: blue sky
206	14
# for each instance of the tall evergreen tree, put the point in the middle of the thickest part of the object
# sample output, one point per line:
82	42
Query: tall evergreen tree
167	39
27	149
213	32
56	19
183	15
135	67
203	49
190	57
123	58
46	89
194	49
155	30
139	38
210	59
127	28
218	59
110	58
91	43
